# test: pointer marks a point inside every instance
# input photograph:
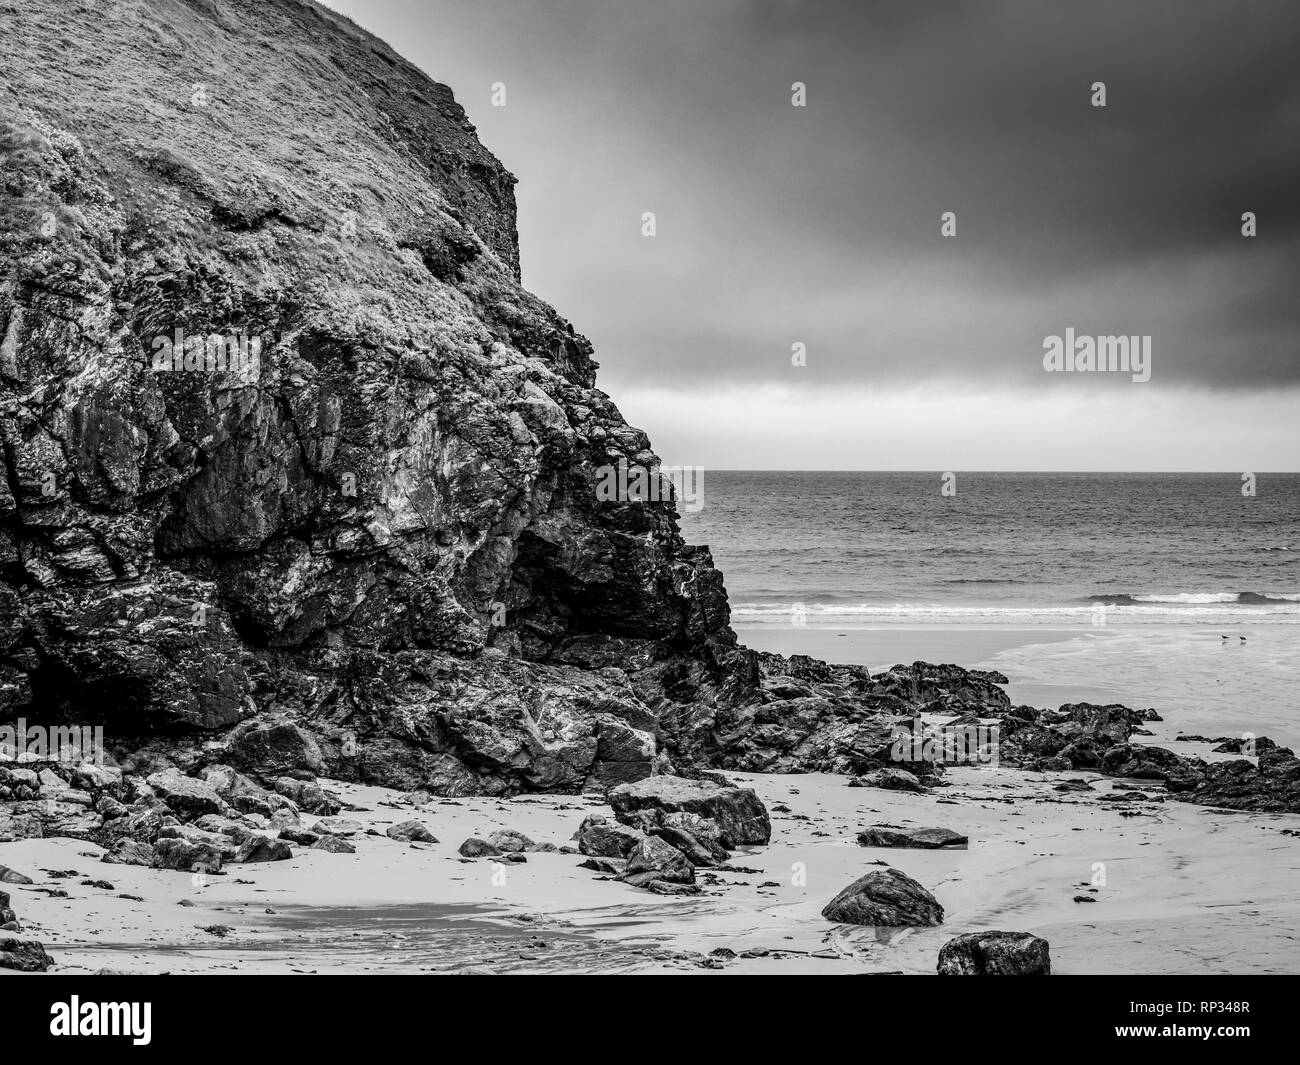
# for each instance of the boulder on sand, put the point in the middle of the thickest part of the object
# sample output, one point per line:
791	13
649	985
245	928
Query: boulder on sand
12	876
186	856
738	812
924	838
1144	762
888	779
333	845
186	795
600	837
24	956
653	859
508	841
412	831
885	898
995	954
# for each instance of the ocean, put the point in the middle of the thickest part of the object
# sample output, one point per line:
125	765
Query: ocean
1170	591
1006	548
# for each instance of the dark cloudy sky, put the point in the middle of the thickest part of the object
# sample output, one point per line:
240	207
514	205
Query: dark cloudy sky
821	225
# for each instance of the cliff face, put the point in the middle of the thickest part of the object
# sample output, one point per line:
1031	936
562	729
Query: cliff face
283	435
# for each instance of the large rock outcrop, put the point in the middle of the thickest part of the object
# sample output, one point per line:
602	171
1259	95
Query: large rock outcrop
282	434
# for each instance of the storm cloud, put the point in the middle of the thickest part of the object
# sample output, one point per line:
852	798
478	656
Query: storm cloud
820	225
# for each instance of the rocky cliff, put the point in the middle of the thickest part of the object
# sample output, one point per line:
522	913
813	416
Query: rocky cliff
282	433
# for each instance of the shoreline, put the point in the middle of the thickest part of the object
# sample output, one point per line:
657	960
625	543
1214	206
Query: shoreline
1160	873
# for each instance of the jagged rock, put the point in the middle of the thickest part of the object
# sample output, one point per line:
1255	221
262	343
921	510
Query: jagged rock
1235	745
477	848
24	956
176	853
1151	763
334	845
308	796
12	876
142	821
888	779
601	837
1104	725
95	777
259	848
508	841
653	859
885	898
213	824
274	749
411	830
623	754
699	838
240	792
337	826
7	915
303	837
186	795
19	826
602	865
995	954
924	838
1272	785
130	852
285	817
665	887
739	814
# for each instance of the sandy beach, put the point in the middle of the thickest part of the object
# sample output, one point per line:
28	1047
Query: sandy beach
1186	890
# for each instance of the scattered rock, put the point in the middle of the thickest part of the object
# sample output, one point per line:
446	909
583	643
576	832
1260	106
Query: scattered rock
24	956
889	779
603	838
412	831
477	848
653	859
885	898
337	826
181	854
925	838
995	954
187	796
334	845
130	852
507	841
12	876
740	815
259	848
274	749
